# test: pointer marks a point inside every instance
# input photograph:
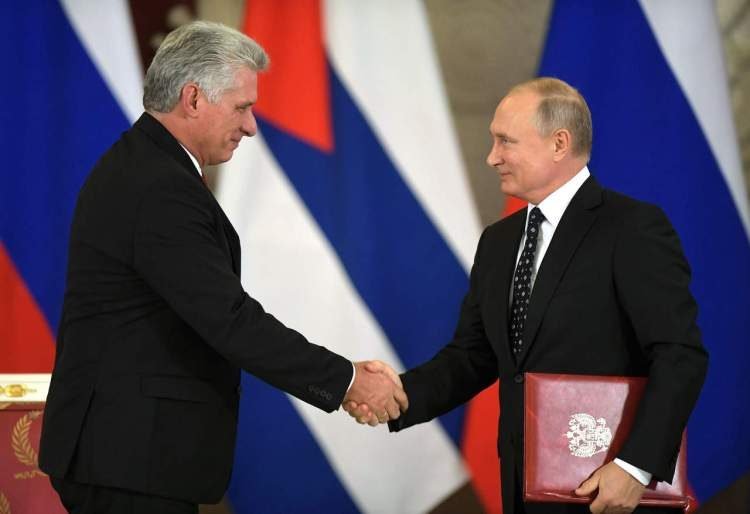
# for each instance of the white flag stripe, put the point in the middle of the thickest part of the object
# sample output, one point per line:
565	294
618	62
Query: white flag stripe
105	30
384	56
289	266
688	35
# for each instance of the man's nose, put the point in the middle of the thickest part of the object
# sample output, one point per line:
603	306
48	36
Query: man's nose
249	126
495	156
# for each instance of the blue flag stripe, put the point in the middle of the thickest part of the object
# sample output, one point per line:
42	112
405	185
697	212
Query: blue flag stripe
49	141
275	442
379	232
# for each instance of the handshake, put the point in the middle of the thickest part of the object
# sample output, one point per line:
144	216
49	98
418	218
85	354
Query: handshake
377	395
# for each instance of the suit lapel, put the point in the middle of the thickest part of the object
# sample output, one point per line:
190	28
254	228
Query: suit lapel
504	265
574	224
167	142
233	240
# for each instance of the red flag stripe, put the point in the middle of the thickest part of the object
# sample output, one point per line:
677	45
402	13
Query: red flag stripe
26	341
300	107
479	446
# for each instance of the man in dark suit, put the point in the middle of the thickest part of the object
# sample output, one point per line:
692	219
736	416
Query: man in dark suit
583	281
142	410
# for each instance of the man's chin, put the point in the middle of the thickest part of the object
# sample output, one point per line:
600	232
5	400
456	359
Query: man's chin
221	159
508	188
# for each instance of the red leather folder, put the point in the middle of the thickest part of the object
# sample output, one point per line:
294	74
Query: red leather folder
573	424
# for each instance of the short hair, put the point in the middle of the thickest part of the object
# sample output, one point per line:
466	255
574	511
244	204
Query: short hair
203	52
561	107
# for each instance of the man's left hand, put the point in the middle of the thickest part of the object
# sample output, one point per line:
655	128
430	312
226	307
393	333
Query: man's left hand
619	492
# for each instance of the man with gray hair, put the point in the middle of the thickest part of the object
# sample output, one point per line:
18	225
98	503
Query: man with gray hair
142	410
582	281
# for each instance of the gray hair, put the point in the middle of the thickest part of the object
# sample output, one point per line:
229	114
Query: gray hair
208	54
561	107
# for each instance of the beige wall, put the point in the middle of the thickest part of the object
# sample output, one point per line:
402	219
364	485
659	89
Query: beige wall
734	20
484	48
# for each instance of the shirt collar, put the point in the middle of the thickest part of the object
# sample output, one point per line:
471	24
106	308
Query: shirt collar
192	158
555	204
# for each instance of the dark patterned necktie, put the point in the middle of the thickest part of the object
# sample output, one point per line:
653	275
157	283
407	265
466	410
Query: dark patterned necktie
522	282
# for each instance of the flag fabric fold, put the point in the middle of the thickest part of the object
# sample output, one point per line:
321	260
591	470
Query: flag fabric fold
59	117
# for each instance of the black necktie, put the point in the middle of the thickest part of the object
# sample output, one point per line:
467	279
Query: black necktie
522	282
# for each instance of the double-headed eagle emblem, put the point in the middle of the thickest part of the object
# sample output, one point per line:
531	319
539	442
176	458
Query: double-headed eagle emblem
587	435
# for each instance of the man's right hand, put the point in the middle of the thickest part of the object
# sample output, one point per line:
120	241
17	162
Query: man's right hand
377	395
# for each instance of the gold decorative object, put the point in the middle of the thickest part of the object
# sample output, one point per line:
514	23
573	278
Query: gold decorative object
4	504
15	390
19	440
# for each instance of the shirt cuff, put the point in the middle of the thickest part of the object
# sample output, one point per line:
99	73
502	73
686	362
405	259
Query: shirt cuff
642	476
354	374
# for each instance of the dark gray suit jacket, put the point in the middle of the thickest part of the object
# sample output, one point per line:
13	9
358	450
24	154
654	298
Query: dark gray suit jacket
611	297
155	329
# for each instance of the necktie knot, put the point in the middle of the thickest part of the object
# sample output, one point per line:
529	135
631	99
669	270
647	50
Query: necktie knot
535	218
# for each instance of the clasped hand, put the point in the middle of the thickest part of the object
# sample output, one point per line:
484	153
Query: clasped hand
617	491
377	395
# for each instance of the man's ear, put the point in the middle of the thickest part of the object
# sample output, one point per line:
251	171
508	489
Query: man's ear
562	140
189	99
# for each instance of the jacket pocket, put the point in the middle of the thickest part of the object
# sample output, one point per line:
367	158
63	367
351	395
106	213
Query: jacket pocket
178	388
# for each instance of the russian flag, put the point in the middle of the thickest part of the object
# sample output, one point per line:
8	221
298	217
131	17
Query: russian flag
75	85
652	72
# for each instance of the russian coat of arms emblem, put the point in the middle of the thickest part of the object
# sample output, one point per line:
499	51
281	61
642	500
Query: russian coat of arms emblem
587	435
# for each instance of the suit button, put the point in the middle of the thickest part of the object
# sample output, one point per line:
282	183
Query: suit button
518	379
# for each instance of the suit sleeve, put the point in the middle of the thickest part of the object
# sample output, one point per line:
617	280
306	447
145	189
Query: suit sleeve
177	253
652	280
460	370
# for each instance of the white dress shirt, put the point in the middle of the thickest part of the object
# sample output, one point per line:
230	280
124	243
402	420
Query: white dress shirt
553	207
192	158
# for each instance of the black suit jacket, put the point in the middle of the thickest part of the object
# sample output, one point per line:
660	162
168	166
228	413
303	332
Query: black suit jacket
611	297
155	329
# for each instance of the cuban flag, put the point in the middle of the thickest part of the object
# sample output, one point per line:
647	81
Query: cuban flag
344	203
358	229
